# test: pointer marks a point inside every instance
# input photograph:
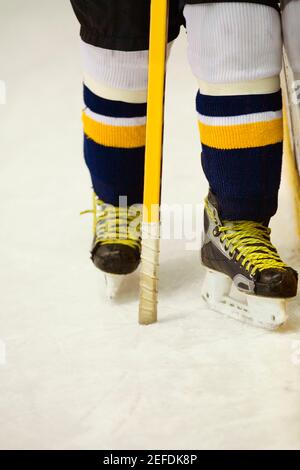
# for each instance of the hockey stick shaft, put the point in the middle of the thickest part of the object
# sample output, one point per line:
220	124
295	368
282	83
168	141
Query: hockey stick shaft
153	161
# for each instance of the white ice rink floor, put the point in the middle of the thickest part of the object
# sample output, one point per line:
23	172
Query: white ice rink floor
79	372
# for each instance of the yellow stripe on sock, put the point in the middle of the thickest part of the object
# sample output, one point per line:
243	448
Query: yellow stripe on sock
257	134
114	136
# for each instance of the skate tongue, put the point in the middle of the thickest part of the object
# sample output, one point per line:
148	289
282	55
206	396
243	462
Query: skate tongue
230	223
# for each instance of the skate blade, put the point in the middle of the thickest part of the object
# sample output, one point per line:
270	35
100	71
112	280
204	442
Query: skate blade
113	283
222	296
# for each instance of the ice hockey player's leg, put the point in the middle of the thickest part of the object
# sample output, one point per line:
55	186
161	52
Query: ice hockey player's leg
239	108
114	121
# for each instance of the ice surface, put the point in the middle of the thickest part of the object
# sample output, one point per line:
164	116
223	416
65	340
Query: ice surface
80	372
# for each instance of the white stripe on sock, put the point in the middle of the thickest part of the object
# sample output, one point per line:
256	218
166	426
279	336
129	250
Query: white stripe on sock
115	94
250	87
112	121
243	119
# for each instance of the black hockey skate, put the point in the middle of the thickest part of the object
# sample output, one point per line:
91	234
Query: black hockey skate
116	247
241	260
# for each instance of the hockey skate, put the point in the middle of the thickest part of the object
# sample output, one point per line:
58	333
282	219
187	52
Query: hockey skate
246	279
116	247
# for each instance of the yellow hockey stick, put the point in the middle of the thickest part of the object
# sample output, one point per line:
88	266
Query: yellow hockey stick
153	161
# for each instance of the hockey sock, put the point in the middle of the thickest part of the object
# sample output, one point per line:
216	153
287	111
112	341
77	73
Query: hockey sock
114	147
242	152
114	122
239	104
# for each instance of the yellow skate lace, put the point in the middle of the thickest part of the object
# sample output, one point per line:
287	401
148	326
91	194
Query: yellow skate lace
115	224
249	241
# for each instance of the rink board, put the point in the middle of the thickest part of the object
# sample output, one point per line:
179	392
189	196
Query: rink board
291	98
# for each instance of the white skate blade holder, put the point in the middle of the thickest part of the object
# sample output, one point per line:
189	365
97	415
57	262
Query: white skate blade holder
113	283
222	296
